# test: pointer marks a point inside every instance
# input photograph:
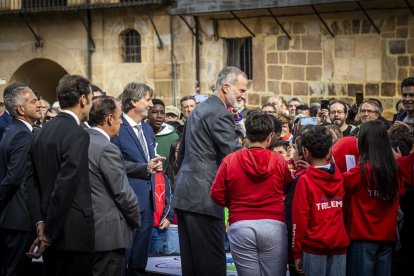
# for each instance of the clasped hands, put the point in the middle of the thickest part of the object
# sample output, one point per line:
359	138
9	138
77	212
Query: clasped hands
40	243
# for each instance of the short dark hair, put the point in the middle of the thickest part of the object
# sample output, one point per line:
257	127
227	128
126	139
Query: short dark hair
268	104
340	102
186	98
277	125
101	108
317	140
280	143
134	91
71	88
258	127
407	82
158	101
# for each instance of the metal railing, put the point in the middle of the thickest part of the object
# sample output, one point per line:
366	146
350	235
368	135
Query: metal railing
32	6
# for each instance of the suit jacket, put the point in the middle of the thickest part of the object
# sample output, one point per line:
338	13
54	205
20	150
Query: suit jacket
114	203
5	120
131	149
209	135
58	182
14	149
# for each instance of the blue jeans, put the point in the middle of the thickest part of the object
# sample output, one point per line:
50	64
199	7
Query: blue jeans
369	258
321	265
157	246
172	244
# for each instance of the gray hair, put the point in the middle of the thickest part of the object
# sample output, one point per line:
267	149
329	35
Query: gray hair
15	98
373	103
134	91
228	75
296	99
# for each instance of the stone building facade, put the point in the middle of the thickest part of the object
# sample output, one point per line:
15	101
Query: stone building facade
338	56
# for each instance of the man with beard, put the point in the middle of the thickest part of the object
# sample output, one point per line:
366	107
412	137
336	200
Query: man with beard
338	112
209	135
407	88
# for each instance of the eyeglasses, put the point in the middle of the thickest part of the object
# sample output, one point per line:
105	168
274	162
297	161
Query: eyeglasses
405	95
339	112
269	112
367	111
49	117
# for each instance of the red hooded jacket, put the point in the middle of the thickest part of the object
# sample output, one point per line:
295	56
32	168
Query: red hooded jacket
318	222
251	182
369	217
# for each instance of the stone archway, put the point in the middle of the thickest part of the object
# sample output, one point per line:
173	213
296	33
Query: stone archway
40	75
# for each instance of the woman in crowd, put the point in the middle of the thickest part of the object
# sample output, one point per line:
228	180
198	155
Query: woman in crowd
251	182
374	187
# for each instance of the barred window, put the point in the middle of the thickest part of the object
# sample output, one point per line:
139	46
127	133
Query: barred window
131	46
239	54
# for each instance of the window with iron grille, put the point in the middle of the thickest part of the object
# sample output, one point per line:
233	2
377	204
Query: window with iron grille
131	46
28	4
239	54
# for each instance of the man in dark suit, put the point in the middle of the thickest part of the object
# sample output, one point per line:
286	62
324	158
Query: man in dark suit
136	142
59	176
5	118
16	229
115	204
209	135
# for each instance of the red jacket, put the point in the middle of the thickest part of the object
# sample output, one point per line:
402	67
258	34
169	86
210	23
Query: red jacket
250	182
369	217
318	222
406	166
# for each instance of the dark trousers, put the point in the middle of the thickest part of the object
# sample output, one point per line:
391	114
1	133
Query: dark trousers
138	255
201	244
14	246
67	263
109	263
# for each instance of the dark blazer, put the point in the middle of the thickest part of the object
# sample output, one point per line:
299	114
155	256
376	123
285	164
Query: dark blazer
127	141
209	135
14	148
5	120
60	176
115	204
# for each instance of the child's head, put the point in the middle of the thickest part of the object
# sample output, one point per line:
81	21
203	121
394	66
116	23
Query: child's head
281	147
316	143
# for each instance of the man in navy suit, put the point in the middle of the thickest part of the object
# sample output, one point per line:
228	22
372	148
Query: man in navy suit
136	142
16	229
5	118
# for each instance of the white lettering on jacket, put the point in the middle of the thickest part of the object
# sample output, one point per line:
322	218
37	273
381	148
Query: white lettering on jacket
329	204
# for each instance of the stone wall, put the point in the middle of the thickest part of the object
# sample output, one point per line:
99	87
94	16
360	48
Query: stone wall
315	65
312	64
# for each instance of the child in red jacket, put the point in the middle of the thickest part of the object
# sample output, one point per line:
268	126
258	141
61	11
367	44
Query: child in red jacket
319	235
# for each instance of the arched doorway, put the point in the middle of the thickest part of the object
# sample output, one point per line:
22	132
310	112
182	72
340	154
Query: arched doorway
40	75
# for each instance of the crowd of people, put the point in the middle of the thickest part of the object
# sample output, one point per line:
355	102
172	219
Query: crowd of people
95	186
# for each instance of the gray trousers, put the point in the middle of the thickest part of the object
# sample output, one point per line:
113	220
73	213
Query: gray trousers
324	265
259	247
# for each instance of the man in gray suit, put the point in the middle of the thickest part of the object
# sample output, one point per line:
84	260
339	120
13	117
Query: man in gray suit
209	135
114	203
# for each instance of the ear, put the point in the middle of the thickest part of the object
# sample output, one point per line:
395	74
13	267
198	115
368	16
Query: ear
20	110
110	119
225	88
306	154
83	100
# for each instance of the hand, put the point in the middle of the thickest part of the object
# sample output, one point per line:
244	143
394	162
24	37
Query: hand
38	247
164	224
302	164
155	165
397	153
323	116
299	266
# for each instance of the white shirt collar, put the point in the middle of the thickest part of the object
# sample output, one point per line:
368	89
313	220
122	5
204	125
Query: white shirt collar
29	126
131	122
102	131
72	114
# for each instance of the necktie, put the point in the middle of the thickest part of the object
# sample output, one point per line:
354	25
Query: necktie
142	141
